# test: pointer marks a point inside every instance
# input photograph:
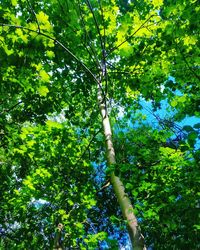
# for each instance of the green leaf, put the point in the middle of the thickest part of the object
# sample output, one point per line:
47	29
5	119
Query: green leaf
70	202
14	2
44	76
129	186
53	124
50	54
182	99
61	211
42	17
188	128
31	143
79	225
43	91
193	135
174	103
197	126
197	227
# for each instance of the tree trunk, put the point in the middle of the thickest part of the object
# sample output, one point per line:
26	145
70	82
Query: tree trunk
137	239
57	238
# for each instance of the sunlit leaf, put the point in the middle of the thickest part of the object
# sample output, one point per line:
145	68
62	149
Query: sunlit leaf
43	91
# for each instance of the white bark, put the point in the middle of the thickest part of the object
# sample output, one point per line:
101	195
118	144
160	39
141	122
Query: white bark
135	235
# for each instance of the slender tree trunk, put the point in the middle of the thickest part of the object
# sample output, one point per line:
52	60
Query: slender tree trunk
137	239
57	238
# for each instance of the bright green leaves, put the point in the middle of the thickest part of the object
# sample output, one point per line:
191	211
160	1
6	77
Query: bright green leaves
151	214
44	76
47	170
42	17
53	124
190	40
174	103
42	172
128	186
28	182
32	136
172	159
31	143
159	177
169	152
93	240
21	150
157	3
9	75
44	23
43	91
25	131
21	35
193	133
145	43
180	101
110	13
14	2
30	186
126	49
50	54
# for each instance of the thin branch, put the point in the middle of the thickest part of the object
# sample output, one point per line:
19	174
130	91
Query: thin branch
186	62
104	71
90	224
129	37
105	185
8	110
97	26
89	39
57	42
75	30
118	71
184	59
104	29
32	10
88	146
104	48
103	66
164	123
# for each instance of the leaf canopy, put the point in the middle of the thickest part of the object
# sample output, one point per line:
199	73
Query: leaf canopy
53	54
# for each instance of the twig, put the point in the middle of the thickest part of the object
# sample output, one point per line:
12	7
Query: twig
129	37
32	10
55	41
7	110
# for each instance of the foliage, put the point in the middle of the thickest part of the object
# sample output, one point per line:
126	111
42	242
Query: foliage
52	155
163	185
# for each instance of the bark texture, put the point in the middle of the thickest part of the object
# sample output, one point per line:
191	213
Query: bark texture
57	238
137	239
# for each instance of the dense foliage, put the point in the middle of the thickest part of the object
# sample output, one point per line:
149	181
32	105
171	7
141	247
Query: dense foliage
53	168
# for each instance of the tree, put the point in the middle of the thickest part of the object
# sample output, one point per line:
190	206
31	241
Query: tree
58	59
163	184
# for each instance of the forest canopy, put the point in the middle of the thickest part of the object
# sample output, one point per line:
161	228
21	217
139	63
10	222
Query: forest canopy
99	124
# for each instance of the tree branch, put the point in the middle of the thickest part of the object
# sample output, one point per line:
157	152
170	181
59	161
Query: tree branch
57	42
32	10
7	110
129	37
